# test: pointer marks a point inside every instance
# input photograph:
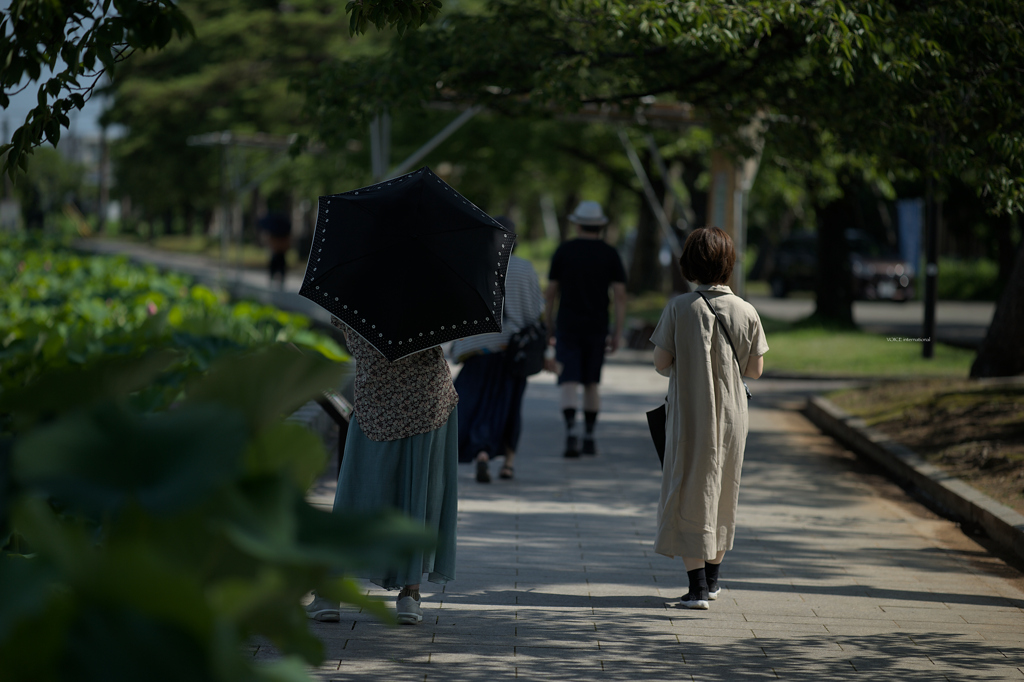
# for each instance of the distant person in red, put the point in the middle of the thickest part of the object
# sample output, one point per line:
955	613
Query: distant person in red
278	228
582	271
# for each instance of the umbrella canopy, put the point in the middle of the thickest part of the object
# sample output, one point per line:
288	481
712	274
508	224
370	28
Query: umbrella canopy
408	263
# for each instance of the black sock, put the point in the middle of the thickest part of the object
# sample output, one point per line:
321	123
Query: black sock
590	420
698	583
711	571
570	417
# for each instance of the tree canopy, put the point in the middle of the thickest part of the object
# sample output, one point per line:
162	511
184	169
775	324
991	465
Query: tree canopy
66	48
928	86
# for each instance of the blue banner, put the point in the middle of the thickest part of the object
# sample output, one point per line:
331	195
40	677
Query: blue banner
910	218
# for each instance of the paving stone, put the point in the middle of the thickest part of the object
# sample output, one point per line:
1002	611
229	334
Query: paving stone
557	578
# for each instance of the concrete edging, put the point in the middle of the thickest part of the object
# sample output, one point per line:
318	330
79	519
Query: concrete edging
951	495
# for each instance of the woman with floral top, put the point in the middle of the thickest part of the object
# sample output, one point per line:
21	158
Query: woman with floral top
401	452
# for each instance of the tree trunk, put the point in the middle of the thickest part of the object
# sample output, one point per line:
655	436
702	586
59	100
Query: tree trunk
1001	353
167	218
1004	225
645	271
189	211
571	199
834	286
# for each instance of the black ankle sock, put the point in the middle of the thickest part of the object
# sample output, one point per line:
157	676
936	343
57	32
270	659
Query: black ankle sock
711	571
590	419
698	582
570	417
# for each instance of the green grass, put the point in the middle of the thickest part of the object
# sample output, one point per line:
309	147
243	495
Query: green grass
807	347
646	308
814	348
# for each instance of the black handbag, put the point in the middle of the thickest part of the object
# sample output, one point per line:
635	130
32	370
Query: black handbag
656	423
524	354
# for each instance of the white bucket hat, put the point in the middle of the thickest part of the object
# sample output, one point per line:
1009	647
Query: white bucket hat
588	213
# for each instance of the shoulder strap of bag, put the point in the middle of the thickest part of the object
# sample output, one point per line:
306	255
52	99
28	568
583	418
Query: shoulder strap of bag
727	337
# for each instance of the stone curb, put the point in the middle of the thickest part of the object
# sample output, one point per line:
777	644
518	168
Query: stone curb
950	495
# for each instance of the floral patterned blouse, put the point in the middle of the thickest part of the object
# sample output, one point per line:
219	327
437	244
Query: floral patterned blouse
407	397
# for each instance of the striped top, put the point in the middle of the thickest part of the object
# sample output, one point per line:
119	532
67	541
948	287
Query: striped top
523	305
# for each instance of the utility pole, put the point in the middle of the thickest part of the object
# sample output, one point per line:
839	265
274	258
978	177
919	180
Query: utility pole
104	197
931	268
7	178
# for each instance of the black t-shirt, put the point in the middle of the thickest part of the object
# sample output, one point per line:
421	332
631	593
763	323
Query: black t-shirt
584	269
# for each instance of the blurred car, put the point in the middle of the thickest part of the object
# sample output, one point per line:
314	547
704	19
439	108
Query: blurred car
877	273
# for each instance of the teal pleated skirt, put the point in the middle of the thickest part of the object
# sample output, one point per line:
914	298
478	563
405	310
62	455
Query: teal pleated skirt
417	475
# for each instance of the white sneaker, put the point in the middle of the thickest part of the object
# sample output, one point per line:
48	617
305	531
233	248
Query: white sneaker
409	611
323	610
713	594
694	601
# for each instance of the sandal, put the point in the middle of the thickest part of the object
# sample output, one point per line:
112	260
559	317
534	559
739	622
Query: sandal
506	472
483	474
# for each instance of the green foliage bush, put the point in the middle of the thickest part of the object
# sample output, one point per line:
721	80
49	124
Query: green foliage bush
139	542
154	546
974	280
59	308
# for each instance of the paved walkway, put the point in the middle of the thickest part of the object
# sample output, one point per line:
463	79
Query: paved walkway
836	574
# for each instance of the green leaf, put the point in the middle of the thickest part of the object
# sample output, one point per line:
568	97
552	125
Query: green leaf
348	591
100	459
287	449
67	389
24	590
286	669
267	384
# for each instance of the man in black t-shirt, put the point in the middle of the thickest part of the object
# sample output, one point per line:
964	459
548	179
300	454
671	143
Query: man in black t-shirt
582	270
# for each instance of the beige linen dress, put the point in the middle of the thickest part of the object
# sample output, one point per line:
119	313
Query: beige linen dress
706	426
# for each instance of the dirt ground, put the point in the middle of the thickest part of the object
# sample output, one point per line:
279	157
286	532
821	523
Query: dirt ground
973	430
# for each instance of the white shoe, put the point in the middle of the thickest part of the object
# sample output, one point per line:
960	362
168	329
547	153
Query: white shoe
691	601
409	611
323	610
713	594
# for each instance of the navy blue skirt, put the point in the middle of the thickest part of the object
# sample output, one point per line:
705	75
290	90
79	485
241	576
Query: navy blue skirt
490	405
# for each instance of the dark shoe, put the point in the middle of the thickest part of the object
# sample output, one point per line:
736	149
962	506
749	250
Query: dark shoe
483	474
572	446
589	447
713	591
695	601
506	472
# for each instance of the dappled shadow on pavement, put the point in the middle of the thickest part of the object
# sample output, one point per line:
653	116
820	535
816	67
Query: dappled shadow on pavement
557	578
565	644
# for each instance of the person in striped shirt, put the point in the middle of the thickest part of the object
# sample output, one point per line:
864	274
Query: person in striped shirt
490	398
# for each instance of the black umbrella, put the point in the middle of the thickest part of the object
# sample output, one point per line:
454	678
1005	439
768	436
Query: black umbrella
408	264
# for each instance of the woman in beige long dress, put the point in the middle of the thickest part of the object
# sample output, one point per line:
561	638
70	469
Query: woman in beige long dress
706	429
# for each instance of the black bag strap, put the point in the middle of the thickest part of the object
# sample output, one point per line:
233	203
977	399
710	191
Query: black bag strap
727	337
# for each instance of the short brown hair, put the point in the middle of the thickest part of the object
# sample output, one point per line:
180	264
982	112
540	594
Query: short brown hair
708	256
